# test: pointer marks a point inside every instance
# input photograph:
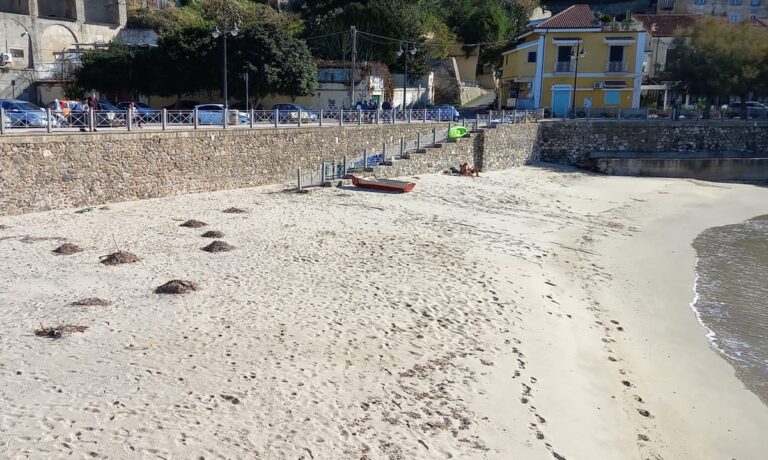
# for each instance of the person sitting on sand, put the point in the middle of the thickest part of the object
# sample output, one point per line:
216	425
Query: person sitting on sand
467	170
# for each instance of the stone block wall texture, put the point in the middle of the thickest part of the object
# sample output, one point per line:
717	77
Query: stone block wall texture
433	159
509	146
41	172
574	142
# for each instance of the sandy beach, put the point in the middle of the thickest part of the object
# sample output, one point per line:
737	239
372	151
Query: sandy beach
532	313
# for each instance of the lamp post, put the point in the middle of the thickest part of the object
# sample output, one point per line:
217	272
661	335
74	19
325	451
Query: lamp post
576	53
406	49
216	33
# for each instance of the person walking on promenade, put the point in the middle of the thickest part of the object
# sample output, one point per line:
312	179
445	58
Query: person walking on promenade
92	104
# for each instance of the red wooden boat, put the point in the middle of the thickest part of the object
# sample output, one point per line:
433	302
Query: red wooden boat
384	185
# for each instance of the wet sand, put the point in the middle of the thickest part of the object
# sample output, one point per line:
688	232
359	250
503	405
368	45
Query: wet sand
530	313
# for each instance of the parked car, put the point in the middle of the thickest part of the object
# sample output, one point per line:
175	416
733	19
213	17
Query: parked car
70	112
749	109
23	114
107	114
182	105
446	112
289	113
212	114
144	113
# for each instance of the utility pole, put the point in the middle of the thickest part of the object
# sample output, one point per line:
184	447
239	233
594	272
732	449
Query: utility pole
353	29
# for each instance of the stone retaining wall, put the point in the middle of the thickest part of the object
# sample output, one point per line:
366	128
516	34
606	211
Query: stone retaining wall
573	142
40	172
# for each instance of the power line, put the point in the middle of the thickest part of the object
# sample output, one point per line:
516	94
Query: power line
323	36
400	40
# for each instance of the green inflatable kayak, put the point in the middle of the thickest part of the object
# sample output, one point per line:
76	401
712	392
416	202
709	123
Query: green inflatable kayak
457	132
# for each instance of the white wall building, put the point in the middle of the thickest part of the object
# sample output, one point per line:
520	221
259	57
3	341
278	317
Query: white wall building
42	37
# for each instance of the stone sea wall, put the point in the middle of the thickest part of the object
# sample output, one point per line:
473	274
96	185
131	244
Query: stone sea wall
41	172
575	142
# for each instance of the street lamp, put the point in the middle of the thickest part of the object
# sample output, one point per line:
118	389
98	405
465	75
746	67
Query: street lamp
406	49
216	33
576	53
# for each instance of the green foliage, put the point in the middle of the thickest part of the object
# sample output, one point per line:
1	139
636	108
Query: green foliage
277	62
715	58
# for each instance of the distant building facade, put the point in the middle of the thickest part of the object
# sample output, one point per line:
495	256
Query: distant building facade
571	60
43	39
734	10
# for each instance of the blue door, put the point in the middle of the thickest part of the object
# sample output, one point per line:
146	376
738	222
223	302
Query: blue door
561	102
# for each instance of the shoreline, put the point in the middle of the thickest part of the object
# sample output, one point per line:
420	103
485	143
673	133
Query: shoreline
474	318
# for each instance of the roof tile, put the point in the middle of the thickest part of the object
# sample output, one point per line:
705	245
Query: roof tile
574	17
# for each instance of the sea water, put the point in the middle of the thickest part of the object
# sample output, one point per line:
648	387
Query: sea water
731	296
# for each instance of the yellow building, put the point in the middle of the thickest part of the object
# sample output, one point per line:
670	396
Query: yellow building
603	61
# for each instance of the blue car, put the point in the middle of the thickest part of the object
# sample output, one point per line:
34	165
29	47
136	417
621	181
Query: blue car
289	113
444	113
212	114
23	114
144	113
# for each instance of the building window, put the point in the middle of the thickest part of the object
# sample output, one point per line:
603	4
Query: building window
612	97
532	56
734	18
755	2
17	53
735	2
506	59
700	2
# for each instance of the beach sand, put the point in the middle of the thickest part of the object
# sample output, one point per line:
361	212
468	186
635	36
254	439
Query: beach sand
533	313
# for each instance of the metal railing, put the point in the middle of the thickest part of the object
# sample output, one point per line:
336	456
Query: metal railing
672	114
564	66
33	121
616	66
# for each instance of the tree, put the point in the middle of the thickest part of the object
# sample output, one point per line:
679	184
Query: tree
718	59
277	62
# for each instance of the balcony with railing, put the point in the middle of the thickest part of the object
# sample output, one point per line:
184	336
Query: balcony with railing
616	67
564	66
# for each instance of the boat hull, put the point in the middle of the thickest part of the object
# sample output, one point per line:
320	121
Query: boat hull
383	185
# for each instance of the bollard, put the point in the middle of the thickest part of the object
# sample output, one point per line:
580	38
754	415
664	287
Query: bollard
196	120
251	118
164	118
320	118
91	119
365	158
418	141
299	123
384	152
49	120
410	115
2	121
225	115
425	115
402	147
341	117
276	117
298	179
359	117
128	120
377	116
